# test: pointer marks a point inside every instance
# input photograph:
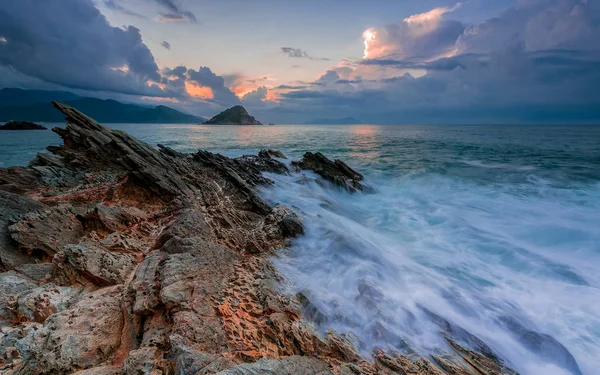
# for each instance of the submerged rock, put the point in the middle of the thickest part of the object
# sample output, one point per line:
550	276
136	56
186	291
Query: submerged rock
335	171
22	125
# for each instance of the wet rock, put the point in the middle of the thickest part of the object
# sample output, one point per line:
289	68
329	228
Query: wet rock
288	224
265	164
294	365
544	345
97	264
268	153
335	171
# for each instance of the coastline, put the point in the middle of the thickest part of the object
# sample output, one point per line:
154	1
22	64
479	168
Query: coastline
122	258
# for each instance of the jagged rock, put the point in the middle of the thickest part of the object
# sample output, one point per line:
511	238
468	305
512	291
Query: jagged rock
268	153
294	365
335	171
265	164
81	337
236	115
22	125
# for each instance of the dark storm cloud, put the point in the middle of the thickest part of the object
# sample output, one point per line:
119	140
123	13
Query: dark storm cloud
299	53
166	44
175	12
205	77
76	47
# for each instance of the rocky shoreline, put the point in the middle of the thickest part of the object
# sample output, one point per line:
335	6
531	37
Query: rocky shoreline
120	258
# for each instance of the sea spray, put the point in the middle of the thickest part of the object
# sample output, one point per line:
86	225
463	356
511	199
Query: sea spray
509	263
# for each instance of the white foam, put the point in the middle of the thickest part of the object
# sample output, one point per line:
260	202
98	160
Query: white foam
469	253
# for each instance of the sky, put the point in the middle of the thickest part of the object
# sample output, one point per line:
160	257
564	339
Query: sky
379	61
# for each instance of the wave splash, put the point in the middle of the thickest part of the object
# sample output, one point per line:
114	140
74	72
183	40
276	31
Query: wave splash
512	265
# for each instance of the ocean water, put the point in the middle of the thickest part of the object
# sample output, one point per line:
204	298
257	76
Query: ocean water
494	228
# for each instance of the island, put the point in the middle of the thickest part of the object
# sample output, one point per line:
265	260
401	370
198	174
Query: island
22	125
233	116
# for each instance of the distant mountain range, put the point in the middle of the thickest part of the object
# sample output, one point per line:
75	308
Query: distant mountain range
334	121
34	105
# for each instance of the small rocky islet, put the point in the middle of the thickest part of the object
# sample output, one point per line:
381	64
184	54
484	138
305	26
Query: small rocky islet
117	257
22	125
236	115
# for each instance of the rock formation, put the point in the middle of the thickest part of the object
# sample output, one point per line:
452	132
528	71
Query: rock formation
120	258
22	125
236	115
335	171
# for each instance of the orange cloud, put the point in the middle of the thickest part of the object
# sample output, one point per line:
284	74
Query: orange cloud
198	91
241	91
272	96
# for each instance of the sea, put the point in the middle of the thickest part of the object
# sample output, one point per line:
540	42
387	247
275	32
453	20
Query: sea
495	229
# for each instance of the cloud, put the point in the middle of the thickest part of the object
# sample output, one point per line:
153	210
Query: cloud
507	69
206	78
175	12
114	5
78	50
299	53
166	44
421	37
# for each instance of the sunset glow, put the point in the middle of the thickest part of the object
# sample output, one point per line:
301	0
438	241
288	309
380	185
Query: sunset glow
369	35
198	91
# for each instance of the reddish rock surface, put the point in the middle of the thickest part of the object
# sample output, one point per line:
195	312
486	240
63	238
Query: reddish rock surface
120	258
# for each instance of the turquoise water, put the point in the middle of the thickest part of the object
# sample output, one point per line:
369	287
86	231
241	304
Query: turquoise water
478	224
